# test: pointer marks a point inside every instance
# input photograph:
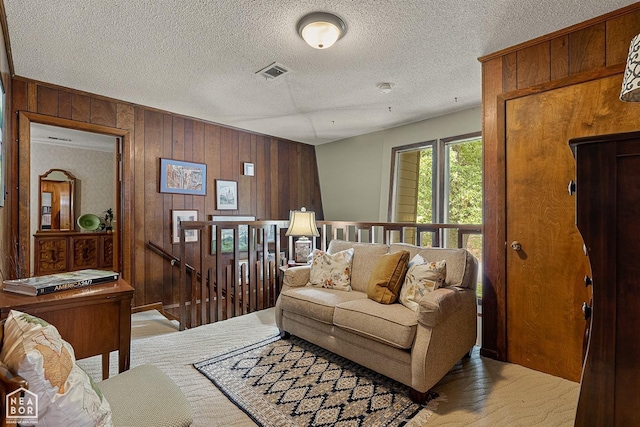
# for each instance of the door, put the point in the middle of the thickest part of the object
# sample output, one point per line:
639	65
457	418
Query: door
545	277
545	261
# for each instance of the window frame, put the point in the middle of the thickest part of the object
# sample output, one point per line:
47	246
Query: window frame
439	165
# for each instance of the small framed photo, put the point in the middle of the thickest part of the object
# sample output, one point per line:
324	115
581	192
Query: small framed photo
181	215
183	177
248	169
226	195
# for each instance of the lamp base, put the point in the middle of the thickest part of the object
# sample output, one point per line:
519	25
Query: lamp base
302	250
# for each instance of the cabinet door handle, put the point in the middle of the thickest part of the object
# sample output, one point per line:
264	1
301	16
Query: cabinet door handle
572	187
516	246
588	281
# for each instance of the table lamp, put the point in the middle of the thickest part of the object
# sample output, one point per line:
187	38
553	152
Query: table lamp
302	223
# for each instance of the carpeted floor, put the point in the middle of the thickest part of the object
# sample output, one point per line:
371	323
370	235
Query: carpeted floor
478	392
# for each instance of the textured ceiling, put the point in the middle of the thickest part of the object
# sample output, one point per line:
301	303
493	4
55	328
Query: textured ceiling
199	58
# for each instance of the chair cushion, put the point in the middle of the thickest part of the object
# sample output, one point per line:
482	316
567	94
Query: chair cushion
316	303
144	396
331	271
365	256
67	396
392	324
387	277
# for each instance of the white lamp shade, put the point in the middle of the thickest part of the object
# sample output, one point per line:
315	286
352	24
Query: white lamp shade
631	83
302	223
321	30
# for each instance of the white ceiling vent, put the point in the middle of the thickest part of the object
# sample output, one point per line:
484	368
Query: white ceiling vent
273	71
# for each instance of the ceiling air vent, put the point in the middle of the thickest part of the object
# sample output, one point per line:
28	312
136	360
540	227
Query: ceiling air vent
273	71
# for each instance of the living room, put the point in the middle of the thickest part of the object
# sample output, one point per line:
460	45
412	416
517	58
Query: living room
325	175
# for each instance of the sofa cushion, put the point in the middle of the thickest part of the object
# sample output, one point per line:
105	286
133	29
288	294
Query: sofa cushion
331	271
421	278
462	267
387	277
67	396
391	324
365	256
316	303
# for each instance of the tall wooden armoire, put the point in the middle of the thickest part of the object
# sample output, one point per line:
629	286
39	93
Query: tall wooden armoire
608	216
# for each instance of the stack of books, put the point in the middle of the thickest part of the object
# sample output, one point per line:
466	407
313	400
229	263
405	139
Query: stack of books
59	282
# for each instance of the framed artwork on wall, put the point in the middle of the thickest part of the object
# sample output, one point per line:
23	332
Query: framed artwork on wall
226	195
178	215
181	177
227	235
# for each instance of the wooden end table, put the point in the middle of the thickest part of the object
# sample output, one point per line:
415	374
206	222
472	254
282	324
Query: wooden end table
95	319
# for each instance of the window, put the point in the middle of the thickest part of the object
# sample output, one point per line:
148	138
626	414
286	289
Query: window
440	181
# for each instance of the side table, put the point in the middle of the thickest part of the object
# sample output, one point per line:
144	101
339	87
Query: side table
94	320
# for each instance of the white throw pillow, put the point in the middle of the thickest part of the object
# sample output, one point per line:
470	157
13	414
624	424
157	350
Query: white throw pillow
67	396
422	277
331	271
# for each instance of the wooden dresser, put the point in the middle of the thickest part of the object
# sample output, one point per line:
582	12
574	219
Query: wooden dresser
59	251
608	216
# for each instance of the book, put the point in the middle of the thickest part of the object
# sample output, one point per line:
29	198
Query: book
41	285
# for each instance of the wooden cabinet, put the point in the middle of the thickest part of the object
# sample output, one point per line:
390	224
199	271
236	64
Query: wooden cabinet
607	214
94	320
56	252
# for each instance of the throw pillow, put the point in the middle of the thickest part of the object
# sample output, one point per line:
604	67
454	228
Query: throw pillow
420	279
66	394
331	271
387	277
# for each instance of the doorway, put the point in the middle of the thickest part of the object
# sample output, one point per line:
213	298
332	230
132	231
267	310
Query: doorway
90	159
29	205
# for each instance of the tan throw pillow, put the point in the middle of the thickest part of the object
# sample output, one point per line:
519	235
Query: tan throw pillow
387	277
67	396
422	277
331	271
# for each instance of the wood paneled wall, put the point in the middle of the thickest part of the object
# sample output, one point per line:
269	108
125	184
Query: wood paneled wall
286	175
588	51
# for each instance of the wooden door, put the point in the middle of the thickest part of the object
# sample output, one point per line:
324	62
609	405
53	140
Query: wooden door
545	279
544	328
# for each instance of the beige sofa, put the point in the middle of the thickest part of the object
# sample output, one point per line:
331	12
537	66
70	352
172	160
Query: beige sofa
416	349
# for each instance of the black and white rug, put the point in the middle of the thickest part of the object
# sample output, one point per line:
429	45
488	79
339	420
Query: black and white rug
295	383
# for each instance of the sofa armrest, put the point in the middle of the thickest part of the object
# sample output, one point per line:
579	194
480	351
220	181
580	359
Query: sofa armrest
436	306
296	276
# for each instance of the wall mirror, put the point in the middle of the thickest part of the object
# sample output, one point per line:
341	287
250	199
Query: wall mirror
57	192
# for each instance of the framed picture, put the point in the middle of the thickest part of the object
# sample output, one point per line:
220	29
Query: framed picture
183	177
226	195
248	169
182	215
227	235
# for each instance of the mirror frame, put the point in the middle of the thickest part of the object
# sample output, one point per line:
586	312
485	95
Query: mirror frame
72	180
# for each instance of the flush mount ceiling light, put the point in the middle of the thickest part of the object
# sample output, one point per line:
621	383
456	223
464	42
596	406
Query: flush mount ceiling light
321	30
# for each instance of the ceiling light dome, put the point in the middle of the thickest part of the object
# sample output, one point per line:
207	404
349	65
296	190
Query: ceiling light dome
321	30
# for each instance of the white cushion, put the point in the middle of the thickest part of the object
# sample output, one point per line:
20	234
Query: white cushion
67	396
422	277
331	271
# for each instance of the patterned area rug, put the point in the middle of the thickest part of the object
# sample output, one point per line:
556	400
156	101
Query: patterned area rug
295	383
